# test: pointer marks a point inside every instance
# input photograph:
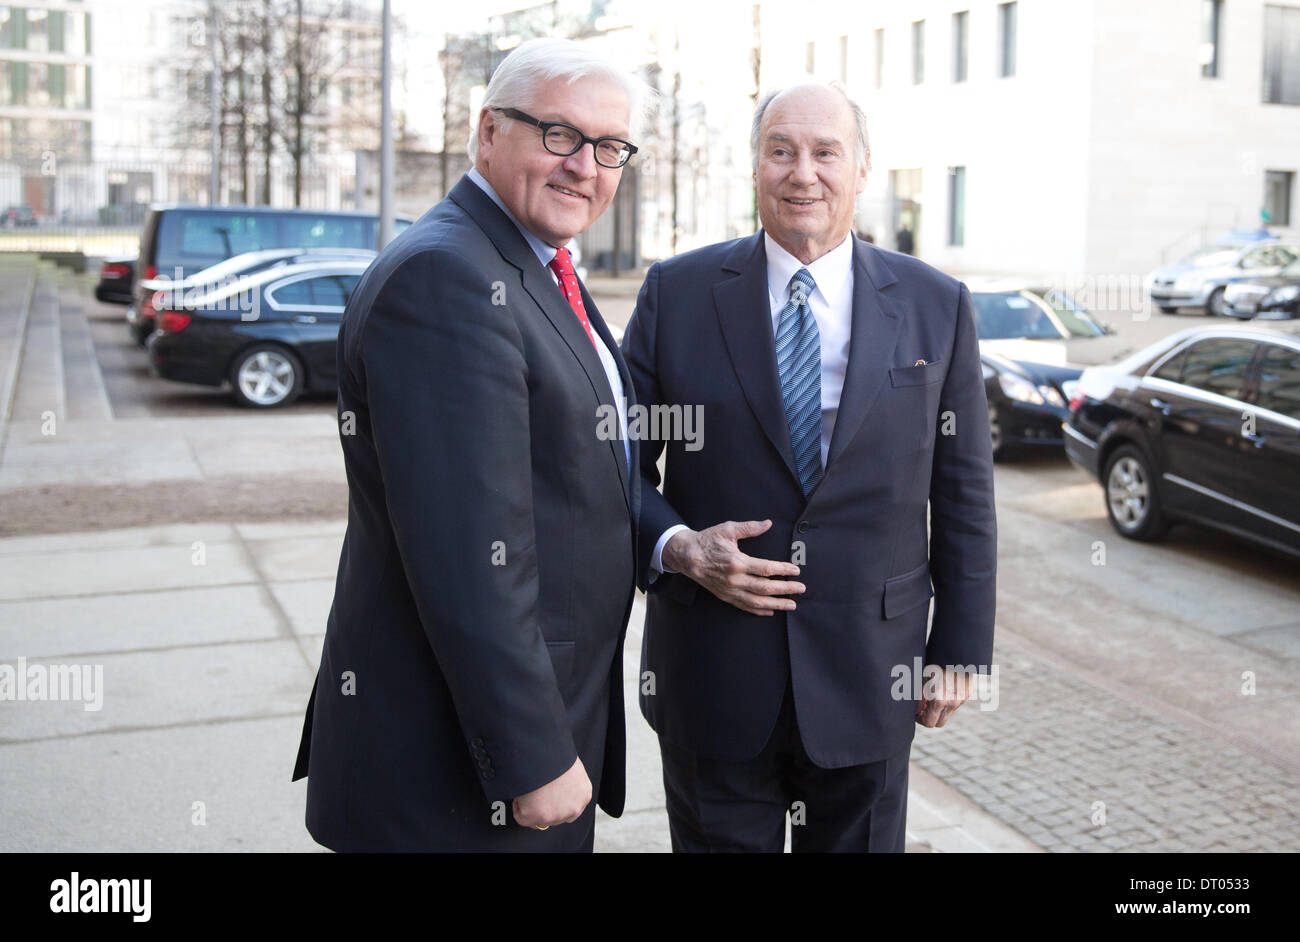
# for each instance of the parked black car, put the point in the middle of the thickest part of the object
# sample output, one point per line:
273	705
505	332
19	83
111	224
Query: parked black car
116	280
1272	299
1203	427
271	334
1029	334
178	240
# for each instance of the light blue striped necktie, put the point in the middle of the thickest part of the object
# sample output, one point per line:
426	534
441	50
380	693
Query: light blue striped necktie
799	365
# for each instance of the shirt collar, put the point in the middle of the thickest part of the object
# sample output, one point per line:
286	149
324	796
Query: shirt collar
545	253
832	272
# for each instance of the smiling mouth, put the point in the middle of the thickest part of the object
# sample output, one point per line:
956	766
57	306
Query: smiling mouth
567	192
800	202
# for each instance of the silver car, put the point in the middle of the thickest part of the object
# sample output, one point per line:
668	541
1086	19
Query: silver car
1199	281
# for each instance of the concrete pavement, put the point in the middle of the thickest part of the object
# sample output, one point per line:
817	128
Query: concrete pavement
206	631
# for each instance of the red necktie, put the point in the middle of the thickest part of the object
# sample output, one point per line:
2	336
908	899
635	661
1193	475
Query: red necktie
562	265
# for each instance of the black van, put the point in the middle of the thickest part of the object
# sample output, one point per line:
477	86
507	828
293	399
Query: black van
179	240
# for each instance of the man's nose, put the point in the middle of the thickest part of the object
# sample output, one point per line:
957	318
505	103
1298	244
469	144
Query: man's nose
582	163
804	171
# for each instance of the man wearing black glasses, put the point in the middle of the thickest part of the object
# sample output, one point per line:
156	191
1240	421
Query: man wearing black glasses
470	689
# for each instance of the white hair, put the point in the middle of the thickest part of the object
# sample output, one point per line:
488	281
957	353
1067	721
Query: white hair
861	143
514	83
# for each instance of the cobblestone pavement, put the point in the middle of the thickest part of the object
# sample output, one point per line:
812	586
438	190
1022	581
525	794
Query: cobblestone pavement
1057	746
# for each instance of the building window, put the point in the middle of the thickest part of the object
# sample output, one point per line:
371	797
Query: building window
918	52
810	58
880	57
13	28
1278	186
1281	55
956	205
844	60
1006	39
960	25
1211	16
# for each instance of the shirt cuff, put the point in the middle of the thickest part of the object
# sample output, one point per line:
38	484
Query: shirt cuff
656	559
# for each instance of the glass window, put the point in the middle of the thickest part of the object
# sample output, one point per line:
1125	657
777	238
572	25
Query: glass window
880	57
1219	366
1277	193
1172	369
960	35
1211	15
328	291
1006	39
13	28
918	52
294	293
38	30
1009	314
1279	380
220	235
956	205
1281	63
325	231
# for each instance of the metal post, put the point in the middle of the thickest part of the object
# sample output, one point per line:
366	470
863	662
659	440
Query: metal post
386	134
214	117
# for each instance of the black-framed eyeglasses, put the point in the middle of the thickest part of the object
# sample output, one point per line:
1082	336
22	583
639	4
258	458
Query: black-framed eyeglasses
564	140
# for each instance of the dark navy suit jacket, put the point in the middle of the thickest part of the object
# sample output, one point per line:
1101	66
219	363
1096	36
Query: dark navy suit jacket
487	571
702	335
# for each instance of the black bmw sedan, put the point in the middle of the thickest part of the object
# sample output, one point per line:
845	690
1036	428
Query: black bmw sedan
271	335
1201	427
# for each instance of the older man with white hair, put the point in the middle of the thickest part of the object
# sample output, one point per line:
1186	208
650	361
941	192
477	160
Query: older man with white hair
469	695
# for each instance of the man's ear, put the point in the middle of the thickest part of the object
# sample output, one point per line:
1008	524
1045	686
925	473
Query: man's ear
862	174
487	132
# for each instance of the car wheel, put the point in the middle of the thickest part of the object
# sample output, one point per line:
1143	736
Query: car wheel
995	432
1132	501
265	376
1215	304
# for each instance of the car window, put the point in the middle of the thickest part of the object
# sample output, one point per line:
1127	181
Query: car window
218	236
1218	366
1172	369
334	231
294	293
1279	380
1256	258
1072	314
1009	314
332	290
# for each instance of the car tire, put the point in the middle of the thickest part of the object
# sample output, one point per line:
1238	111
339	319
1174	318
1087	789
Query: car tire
1215	306
996	434
266	376
1132	498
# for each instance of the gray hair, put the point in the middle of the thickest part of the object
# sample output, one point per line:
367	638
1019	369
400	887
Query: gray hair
862	146
514	83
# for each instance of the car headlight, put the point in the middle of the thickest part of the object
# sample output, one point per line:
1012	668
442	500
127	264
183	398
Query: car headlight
1051	395
1019	389
1283	295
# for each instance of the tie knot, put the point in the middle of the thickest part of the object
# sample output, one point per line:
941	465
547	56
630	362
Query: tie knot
562	263
801	285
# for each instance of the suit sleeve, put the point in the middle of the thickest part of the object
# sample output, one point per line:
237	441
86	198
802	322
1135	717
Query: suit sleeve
446	376
963	523
640	351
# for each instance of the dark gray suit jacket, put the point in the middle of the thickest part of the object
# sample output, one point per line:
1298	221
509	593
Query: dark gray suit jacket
702	335
487	572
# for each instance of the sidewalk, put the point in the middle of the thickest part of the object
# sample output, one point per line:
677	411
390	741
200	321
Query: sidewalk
207	629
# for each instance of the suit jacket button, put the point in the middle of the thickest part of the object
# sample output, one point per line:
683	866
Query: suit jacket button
803	526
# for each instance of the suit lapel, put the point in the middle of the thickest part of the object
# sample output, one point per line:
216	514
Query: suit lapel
546	294
877	320
745	316
615	445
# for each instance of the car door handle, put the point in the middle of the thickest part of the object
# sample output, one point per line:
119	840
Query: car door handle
1160	404
305	319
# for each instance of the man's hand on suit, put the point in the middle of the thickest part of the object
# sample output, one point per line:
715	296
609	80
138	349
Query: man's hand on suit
713	559
954	690
559	801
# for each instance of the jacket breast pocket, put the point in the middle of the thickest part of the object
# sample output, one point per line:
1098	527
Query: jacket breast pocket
917	375
904	593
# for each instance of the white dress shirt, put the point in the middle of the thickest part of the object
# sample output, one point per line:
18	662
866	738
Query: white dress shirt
831	303
546	254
